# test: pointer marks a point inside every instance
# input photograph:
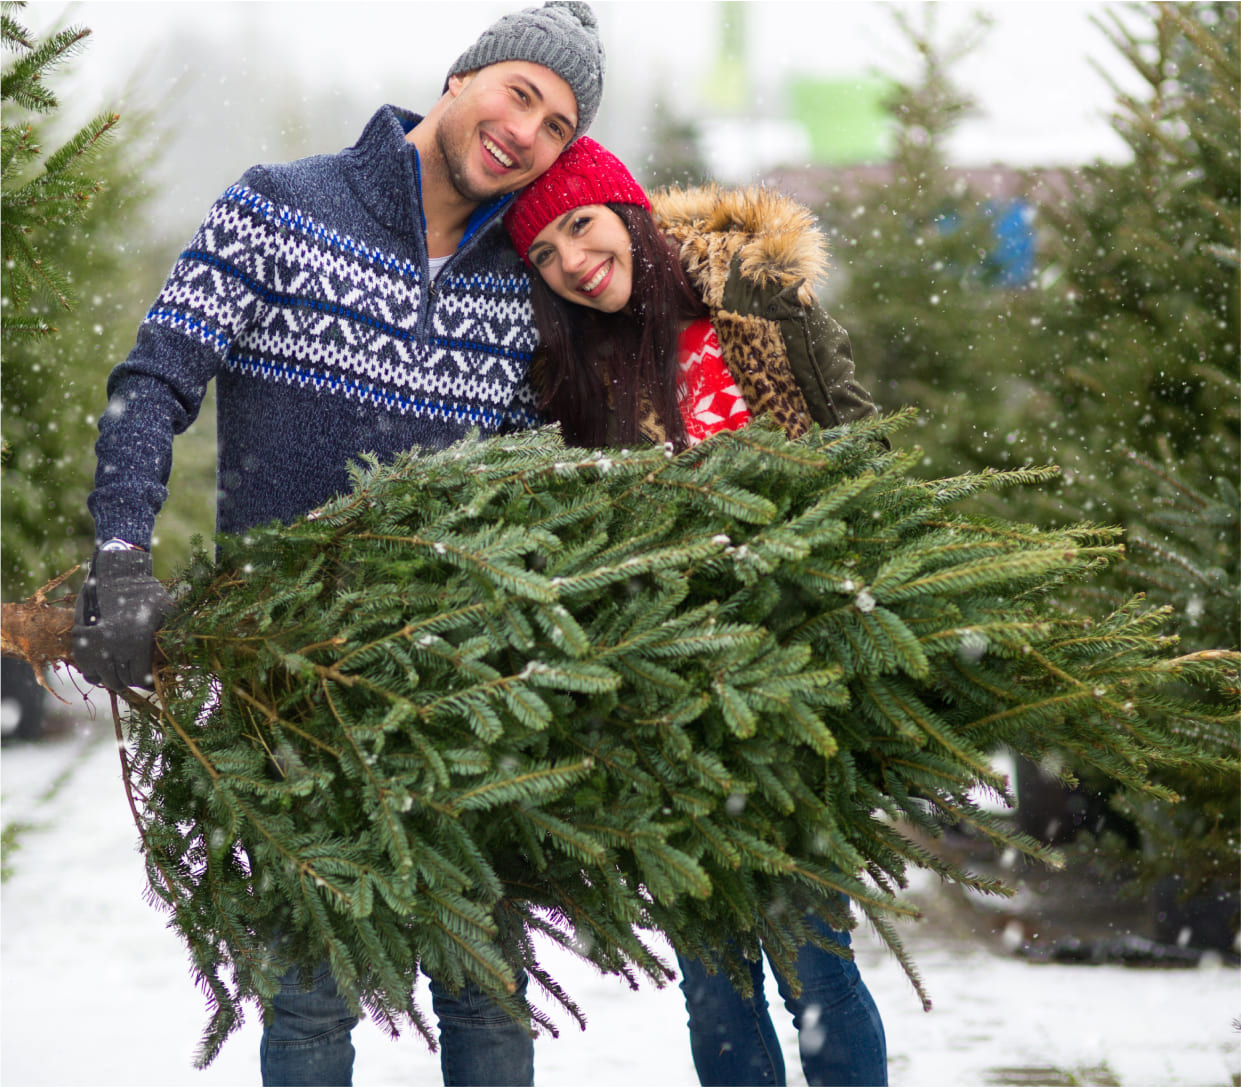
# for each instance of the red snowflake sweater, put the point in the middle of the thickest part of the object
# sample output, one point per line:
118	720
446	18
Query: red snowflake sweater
709	398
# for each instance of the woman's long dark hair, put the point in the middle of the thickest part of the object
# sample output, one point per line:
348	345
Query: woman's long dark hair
627	360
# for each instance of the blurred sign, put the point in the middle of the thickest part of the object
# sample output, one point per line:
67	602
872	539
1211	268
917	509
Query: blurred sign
726	86
844	118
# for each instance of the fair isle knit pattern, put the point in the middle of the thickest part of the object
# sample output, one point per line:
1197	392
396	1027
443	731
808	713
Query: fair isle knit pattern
306	295
339	317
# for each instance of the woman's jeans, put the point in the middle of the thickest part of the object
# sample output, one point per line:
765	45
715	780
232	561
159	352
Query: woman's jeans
839	1031
307	1041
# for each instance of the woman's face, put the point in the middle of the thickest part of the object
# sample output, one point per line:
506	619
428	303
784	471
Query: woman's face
585	256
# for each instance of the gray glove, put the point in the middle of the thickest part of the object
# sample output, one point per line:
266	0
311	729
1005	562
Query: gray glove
120	608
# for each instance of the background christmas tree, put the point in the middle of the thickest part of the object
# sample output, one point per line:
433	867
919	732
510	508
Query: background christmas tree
45	201
1117	359
1145	257
79	268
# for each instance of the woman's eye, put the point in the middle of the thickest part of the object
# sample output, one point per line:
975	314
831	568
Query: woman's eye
580	224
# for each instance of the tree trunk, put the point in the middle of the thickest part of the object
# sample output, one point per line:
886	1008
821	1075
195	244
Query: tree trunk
37	631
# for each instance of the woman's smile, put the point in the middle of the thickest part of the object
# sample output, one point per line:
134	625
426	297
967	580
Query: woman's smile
599	281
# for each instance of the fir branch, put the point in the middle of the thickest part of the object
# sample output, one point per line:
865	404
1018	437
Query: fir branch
22	81
422	749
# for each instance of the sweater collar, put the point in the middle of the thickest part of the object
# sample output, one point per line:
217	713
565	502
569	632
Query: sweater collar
383	171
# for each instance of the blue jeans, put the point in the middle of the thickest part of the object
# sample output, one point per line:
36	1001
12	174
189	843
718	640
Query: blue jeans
308	1039
839	1032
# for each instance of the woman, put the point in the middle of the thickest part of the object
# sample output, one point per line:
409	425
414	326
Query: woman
667	321
746	264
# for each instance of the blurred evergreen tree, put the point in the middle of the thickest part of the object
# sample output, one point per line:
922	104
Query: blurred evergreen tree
1120	363
79	268
924	300
1141	336
1140	320
675	158
44	201
33	198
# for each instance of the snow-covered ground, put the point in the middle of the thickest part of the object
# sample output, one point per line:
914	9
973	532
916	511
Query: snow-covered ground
96	991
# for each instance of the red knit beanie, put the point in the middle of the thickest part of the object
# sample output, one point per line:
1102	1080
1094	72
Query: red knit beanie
586	173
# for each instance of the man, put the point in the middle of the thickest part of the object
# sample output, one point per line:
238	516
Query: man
367	301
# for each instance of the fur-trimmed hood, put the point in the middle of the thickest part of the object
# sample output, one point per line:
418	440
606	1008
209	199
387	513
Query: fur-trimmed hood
778	240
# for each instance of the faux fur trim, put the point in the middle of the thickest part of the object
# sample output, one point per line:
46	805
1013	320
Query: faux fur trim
779	240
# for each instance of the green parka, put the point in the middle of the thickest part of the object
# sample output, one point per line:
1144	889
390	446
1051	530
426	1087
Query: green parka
754	256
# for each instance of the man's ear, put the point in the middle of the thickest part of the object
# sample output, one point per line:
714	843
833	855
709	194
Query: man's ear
457	81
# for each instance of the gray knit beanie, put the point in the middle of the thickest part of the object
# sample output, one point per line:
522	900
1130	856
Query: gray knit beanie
562	35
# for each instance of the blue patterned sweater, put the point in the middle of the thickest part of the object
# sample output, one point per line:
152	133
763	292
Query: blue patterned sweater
306	295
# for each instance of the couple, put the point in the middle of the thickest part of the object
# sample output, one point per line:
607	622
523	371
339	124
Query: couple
372	301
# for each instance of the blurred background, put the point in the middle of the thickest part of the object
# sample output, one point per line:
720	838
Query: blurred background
1033	216
761	83
729	90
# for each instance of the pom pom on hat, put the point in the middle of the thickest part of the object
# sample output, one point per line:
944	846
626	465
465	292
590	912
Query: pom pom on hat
562	35
586	173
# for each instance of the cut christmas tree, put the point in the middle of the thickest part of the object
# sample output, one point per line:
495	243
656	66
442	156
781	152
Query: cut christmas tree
514	689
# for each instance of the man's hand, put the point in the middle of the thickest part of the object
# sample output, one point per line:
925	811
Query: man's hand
120	608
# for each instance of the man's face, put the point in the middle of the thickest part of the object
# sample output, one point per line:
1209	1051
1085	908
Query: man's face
504	126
